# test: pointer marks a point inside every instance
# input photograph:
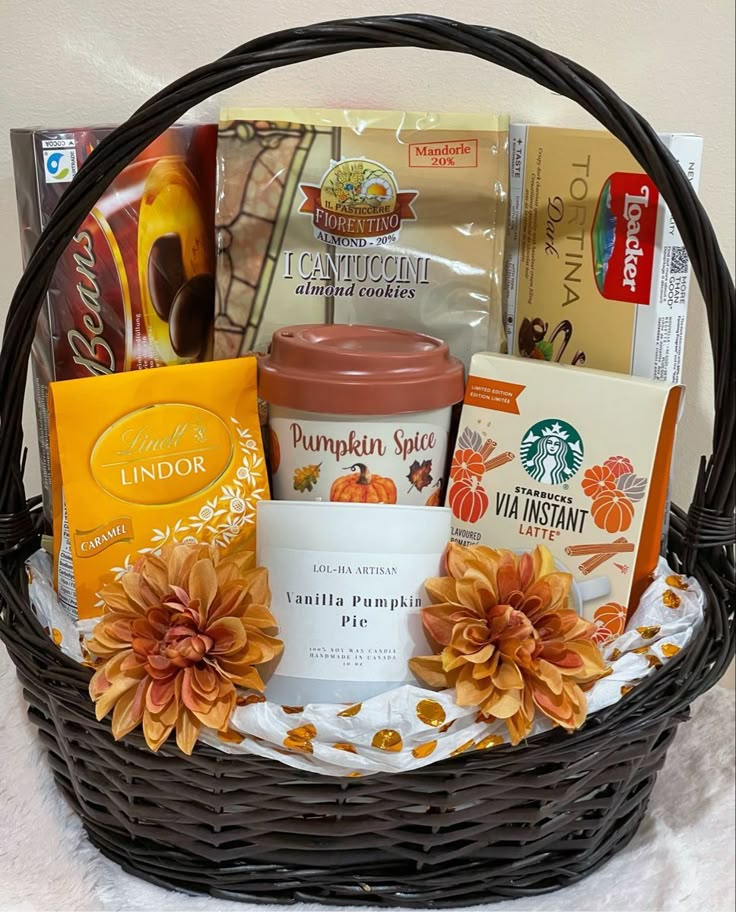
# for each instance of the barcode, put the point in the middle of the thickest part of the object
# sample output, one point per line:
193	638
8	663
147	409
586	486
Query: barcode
66	584
680	261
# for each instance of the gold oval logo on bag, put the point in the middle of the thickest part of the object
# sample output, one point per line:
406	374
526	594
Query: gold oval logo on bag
162	454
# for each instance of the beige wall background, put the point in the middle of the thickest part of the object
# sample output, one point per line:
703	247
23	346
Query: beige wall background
72	64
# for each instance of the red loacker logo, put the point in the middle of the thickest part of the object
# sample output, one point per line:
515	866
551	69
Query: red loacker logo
624	236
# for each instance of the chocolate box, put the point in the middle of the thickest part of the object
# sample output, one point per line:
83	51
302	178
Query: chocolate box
596	272
135	287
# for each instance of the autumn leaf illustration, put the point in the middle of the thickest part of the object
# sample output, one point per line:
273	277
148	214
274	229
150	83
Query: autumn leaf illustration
420	474
470	440
306	477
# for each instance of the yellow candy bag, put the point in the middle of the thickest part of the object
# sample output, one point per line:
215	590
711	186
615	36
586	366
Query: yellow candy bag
148	458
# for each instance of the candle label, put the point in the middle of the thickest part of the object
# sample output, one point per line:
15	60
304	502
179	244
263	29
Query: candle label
348	616
362	462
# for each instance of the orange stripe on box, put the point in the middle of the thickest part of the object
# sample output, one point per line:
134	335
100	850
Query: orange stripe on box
651	529
497	395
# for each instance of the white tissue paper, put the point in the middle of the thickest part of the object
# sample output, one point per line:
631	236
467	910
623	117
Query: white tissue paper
410	726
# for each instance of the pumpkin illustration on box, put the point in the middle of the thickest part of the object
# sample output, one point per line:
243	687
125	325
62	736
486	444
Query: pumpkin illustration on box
612	511
361	414
468	499
610	620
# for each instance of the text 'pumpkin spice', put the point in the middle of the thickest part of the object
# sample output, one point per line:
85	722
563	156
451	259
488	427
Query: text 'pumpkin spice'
151	458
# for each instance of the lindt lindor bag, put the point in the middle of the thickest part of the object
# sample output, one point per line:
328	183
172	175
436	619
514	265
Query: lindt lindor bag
384	218
148	458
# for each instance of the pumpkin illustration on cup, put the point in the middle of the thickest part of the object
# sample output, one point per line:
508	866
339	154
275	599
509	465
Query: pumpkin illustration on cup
274	450
363	487
468	499
435	498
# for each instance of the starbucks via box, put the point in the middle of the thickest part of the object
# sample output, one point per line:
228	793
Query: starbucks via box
579	463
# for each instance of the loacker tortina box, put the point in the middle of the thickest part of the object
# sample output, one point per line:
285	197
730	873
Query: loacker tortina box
596	271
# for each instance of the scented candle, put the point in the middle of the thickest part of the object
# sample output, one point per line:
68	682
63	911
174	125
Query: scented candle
359	414
347	584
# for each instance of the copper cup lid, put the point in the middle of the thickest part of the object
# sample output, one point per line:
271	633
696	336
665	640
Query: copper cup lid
343	369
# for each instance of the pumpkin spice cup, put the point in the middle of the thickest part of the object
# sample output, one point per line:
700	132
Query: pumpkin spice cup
359	414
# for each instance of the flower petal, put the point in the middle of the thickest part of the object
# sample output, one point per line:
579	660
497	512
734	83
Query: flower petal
128	711
228	635
155	731
203	584
429	669
187	731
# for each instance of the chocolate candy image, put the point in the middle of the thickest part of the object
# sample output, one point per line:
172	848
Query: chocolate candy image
526	337
191	313
165	272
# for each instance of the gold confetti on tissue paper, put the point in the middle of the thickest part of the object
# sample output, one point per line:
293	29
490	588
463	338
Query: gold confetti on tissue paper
424	750
345	746
490	741
677	581
351	711
387	739
431	713
463	747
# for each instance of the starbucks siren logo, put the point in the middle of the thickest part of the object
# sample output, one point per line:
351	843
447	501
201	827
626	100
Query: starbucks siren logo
551	451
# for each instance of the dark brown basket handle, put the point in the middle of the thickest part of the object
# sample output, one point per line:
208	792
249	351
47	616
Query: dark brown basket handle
709	526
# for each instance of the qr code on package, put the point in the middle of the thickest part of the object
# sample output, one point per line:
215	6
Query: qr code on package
680	262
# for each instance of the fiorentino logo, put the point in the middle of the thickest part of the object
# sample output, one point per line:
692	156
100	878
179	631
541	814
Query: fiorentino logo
357	204
551	451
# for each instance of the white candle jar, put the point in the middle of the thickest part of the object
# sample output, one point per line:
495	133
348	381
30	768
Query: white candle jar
347	588
359	414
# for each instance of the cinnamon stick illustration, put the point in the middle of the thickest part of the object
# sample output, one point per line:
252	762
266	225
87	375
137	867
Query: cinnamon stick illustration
620	546
488	447
594	562
499	460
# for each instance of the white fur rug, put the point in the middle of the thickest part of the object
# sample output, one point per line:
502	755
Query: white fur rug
681	859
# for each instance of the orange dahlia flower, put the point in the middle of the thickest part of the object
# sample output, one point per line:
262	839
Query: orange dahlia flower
506	639
180	630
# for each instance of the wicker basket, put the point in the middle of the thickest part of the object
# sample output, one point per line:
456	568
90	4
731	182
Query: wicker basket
506	823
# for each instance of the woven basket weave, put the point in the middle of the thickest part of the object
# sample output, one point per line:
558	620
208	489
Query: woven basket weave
503	823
